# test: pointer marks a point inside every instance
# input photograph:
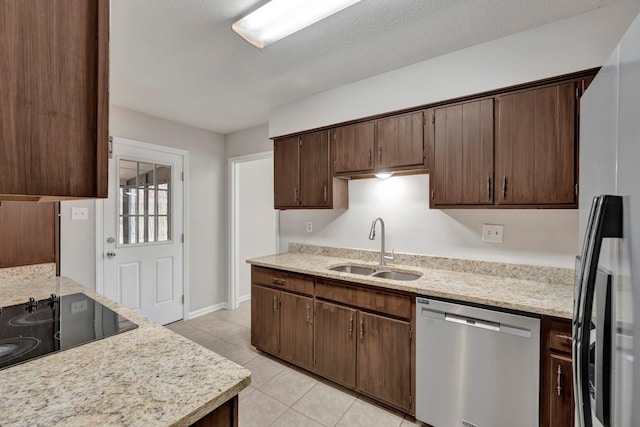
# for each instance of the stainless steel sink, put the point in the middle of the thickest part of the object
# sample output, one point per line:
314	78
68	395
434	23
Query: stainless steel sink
354	269
376	272
396	275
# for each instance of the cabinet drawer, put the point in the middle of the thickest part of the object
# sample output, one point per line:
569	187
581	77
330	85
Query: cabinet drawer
282	279
559	338
367	299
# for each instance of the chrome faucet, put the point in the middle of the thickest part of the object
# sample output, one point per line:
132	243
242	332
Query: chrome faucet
372	235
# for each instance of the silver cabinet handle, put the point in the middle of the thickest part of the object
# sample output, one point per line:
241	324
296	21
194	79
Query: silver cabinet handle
559	380
564	337
325	193
277	281
275	303
111	254
488	187
369	156
504	187
351	326
308	316
380	154
361	329
295	194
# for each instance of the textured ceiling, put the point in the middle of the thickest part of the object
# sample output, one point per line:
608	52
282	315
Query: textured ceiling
180	60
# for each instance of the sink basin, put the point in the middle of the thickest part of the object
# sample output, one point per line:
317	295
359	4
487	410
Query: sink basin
354	269
396	275
376	272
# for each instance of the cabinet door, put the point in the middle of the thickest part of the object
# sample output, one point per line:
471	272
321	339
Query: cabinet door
296	330
354	146
462	167
54	109
335	343
30	233
265	318
286	173
314	170
400	141
560	392
384	359
536	147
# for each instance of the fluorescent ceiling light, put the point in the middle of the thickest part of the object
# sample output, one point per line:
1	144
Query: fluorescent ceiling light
279	18
383	175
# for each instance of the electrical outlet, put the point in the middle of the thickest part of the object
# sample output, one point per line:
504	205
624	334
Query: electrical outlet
493	233
79	214
78	306
309	226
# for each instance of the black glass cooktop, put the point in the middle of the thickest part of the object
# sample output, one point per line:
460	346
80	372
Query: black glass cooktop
38	328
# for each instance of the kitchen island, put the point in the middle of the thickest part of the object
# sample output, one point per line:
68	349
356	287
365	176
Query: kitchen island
143	377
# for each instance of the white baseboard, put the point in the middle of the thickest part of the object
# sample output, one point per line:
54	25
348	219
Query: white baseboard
244	298
206	310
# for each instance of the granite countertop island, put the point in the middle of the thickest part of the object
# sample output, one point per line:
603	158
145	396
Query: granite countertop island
143	377
532	289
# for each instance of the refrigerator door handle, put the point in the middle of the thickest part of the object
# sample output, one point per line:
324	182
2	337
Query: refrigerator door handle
605	221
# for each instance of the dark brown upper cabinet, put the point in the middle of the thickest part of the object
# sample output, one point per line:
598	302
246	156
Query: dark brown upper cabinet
354	147
462	152
286	172
303	176
536	147
400	142
54	112
390	144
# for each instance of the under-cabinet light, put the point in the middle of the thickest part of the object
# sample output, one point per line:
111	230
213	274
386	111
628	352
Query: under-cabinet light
384	175
279	18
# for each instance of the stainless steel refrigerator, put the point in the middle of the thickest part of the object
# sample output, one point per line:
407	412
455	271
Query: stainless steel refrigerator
607	311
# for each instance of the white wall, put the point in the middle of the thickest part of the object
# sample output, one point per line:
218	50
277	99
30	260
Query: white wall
248	141
536	236
207	208
574	44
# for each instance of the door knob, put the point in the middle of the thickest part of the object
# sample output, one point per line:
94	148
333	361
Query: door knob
111	240
111	254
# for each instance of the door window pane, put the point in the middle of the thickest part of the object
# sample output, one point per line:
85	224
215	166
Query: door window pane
144	202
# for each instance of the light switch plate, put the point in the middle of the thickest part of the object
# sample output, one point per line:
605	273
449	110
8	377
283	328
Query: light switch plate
79	214
493	233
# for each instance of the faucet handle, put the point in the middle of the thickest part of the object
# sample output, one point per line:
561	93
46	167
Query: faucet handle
390	258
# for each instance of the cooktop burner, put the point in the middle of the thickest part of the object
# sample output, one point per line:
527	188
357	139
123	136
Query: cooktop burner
38	328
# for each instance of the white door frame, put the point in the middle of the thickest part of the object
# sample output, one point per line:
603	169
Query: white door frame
234	259
99	208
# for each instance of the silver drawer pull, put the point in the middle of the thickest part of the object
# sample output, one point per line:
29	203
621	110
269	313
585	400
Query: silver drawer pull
564	337
558	380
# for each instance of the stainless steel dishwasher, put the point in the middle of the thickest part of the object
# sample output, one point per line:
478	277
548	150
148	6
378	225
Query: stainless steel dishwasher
475	366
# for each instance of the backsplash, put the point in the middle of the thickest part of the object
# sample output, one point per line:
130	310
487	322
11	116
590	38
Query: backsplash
27	273
553	275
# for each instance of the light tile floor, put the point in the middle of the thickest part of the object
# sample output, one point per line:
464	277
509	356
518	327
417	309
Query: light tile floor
280	394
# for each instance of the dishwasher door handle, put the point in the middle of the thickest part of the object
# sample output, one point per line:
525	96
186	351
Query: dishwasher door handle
483	324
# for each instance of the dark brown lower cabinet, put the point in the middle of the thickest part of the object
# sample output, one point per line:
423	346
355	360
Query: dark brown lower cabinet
265	305
557	407
226	415
357	336
561	404
29	233
296	329
335	343
384	359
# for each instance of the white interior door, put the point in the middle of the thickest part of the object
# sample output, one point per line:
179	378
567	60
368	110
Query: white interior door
143	231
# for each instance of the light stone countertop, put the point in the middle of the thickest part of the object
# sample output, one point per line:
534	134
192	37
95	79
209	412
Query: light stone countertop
553	299
149	376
